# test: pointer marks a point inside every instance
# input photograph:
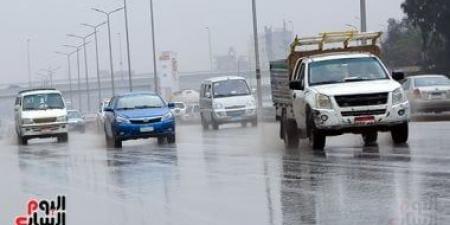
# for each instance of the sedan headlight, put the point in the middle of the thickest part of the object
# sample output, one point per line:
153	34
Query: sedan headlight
27	121
121	119
398	96
61	119
323	102
218	105
167	116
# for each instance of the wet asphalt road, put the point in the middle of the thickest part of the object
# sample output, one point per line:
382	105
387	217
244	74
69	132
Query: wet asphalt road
234	176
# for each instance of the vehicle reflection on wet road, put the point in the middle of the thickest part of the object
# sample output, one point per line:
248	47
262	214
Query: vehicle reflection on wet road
234	176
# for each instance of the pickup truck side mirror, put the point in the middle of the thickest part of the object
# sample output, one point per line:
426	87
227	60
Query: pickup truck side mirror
398	76
296	85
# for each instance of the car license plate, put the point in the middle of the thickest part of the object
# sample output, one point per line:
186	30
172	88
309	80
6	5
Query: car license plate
436	95
364	120
46	130
236	118
147	129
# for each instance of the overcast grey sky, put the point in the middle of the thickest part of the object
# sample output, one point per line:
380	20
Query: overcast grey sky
180	26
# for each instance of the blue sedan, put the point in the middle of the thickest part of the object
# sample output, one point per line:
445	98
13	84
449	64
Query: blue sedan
138	116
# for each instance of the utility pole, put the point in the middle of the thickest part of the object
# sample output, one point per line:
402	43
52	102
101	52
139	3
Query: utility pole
69	72
86	67
211	62
108	15
130	81
99	83
80	106
155	69
363	15
29	62
120	55
257	61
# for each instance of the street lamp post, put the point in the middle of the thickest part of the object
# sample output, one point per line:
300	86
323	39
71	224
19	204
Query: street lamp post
99	84
50	71
257	61
155	69
363	16
86	67
29	62
80	106
108	22
210	50
130	81
69	73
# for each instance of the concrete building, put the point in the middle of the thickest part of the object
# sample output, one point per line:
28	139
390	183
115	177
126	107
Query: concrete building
168	74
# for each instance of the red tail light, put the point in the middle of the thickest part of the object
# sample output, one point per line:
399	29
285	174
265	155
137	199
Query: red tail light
417	94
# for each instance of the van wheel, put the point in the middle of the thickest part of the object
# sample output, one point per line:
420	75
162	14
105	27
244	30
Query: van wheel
290	134
63	138
255	123
215	125
370	137
317	139
22	140
400	133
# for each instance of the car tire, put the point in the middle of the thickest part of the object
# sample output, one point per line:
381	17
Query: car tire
370	137
400	133
255	123
244	124
171	139
161	140
63	138
22	140
290	134
205	124
317	139
117	143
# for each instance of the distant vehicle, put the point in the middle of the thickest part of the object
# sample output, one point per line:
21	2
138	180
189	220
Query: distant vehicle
428	93
227	100
190	98
139	116
76	121
101	113
328	92
180	110
40	113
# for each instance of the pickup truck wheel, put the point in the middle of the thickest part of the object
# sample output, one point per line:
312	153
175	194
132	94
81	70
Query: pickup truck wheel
317	140
370	137
290	136
400	133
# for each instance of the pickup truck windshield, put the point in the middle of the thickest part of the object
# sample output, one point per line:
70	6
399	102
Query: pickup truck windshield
230	88
139	102
345	70
43	102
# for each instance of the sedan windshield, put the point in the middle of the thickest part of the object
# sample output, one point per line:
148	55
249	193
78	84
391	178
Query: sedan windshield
43	102
74	115
229	88
431	81
345	70
139	102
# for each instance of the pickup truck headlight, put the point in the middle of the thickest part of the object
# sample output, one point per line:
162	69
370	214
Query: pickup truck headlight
218	105
27	121
323	102
61	119
167	116
398	96
121	119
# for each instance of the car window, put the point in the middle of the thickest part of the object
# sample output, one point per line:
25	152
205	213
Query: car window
139	102
431	81
407	84
74	114
43	102
229	88
345	70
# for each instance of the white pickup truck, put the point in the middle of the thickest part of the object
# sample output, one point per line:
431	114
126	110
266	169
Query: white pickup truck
328	92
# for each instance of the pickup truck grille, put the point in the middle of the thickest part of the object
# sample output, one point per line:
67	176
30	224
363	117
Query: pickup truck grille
364	113
362	100
45	120
145	121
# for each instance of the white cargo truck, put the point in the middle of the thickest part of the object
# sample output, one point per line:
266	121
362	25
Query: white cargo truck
345	88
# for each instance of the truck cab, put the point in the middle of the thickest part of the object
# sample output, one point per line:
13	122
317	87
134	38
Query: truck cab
347	90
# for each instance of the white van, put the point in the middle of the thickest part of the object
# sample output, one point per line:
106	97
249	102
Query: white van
227	100
40	113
